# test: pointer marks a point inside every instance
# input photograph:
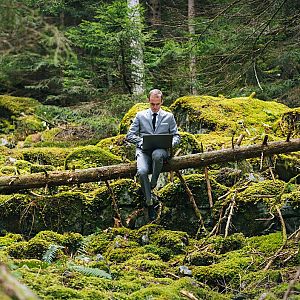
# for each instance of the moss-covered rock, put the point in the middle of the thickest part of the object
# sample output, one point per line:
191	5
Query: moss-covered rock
203	114
10	238
177	205
17	105
287	166
17	116
223	273
290	123
118	146
90	157
45	156
100	212
256	207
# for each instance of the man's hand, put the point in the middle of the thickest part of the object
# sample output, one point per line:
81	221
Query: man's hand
140	144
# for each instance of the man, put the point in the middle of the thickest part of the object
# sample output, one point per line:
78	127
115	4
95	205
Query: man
151	121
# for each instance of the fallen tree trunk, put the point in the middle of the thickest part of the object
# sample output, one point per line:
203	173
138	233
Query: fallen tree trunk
10	184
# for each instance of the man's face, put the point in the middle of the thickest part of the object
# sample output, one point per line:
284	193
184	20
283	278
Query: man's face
155	103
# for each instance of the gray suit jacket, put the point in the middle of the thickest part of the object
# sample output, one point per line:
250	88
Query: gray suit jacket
142	124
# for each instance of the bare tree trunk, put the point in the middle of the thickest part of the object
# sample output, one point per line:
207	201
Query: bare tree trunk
155	12
191	25
137	59
10	184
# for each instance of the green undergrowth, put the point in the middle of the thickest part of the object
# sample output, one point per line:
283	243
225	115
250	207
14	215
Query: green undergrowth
121	263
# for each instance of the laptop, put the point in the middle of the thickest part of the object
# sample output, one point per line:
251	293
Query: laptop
157	141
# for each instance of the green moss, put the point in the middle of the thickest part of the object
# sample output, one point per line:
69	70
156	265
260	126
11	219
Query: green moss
293	197
45	156
148	262
17	167
72	241
223	273
118	146
256	192
200	114
173	290
174	240
36	168
121	250
90	157
28	125
178	205
255	283
266	244
188	144
18	105
230	243
10	238
214	140
165	253
290	122
202	258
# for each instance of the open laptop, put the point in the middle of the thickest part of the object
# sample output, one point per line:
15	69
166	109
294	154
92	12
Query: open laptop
157	141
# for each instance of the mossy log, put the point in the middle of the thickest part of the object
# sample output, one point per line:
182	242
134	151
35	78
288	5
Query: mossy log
10	184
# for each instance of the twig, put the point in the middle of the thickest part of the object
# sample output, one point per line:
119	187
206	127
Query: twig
188	295
210	199
291	285
232	204
115	206
284	237
239	140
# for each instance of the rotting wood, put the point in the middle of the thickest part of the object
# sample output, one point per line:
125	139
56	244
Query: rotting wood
10	184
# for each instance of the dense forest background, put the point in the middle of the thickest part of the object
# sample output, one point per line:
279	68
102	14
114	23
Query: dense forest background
65	52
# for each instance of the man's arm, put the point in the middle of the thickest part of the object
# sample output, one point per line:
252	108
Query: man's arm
133	132
174	131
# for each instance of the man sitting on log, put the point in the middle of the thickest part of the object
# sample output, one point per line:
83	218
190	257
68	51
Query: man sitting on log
153	120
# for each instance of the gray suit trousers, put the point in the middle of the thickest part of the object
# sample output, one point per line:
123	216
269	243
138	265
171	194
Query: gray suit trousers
150	162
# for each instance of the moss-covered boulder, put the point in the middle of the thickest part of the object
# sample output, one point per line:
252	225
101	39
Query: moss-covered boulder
29	214
118	146
90	157
289	123
54	156
16	114
177	205
287	166
203	114
257	205
100	211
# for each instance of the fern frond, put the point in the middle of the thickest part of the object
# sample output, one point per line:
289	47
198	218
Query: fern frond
50	254
90	271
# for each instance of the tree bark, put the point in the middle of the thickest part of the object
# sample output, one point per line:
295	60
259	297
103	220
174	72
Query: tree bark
136	44
155	12
191	26
10	184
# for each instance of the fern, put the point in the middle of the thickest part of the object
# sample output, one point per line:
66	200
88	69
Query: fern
50	254
90	271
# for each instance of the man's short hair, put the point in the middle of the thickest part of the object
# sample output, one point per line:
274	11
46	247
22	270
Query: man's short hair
156	92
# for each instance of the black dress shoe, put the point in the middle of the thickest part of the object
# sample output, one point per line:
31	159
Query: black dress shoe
151	213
